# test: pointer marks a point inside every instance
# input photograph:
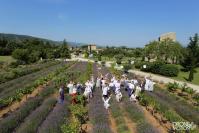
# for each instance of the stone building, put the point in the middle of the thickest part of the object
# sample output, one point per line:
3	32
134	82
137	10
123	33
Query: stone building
92	47
169	35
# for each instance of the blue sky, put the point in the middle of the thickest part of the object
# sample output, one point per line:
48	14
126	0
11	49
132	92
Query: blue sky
106	22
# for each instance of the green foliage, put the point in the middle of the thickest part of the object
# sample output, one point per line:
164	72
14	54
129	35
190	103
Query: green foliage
148	67
99	57
8	124
85	76
80	112
187	89
173	86
21	55
79	115
164	50
73	127
196	97
81	100
138	64
64	51
136	114
103	63
127	67
169	70
86	54
14	119
31	50
191	60
159	68
119	58
19	93
163	109
156	67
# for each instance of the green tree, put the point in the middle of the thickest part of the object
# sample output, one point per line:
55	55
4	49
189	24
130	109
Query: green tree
64	50
99	57
151	50
34	56
191	59
119	58
21	55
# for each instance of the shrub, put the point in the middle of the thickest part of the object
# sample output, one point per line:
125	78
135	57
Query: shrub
1	64
138	65
148	67
103	63
196	97
187	89
119	58
169	70
73	127
172	86
156	67
127	67
80	112
21	54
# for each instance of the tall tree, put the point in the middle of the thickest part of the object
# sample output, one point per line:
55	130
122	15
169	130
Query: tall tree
191	60
64	50
151	50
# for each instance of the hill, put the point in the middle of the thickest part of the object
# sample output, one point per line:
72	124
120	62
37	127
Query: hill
21	38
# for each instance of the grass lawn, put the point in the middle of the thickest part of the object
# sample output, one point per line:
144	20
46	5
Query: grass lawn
184	75
7	59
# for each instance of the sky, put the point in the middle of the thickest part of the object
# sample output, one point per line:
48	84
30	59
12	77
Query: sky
131	23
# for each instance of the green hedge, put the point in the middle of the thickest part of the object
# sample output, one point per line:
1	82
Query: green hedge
169	70
159	68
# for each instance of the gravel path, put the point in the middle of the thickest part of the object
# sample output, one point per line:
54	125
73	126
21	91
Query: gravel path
163	79
154	76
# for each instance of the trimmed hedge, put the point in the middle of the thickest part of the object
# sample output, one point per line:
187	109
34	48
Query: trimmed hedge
169	70
159	68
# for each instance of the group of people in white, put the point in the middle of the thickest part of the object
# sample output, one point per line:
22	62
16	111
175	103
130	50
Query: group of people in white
109	86
115	86
75	89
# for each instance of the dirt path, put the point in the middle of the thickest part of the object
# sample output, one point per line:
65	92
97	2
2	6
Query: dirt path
149	117
112	122
98	115
54	118
152	120
163	79
17	104
130	124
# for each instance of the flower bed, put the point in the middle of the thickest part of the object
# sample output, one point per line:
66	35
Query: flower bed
19	93
161	109
79	113
13	73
